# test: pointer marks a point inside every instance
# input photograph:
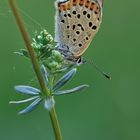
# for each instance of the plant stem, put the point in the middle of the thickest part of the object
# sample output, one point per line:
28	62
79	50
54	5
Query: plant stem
55	124
27	42
36	66
51	84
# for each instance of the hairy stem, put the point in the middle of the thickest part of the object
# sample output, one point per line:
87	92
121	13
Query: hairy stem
36	66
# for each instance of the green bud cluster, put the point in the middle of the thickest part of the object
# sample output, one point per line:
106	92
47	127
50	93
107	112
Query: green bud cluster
41	40
55	61
46	52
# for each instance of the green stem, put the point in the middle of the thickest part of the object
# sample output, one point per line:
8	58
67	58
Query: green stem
51	84
36	66
55	124
27	42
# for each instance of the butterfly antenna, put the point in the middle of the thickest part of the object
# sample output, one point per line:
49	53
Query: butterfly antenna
100	71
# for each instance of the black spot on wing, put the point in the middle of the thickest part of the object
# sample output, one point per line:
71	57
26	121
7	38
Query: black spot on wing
77	32
63	21
94	27
73	27
80	45
74	12
84	12
78	16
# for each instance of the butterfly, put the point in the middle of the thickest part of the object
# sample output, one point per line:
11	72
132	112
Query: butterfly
76	23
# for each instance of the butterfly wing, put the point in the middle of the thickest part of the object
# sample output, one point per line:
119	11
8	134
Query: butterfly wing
62	22
77	22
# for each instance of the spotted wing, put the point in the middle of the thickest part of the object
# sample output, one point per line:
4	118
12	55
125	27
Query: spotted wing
77	22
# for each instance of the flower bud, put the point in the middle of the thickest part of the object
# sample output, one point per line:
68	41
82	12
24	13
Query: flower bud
38	38
57	56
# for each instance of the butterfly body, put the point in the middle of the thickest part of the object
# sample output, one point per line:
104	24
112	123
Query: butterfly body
77	22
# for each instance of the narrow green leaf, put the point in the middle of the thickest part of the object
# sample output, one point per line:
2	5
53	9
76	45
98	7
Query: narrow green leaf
24	52
62	81
44	73
23	101
73	90
19	53
31	107
27	90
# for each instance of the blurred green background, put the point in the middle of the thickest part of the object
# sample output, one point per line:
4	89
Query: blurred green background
108	110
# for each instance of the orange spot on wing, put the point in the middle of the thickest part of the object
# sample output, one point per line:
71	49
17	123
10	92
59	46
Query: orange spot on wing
68	6
87	3
62	7
92	5
75	2
71	2
97	10
95	7
81	2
